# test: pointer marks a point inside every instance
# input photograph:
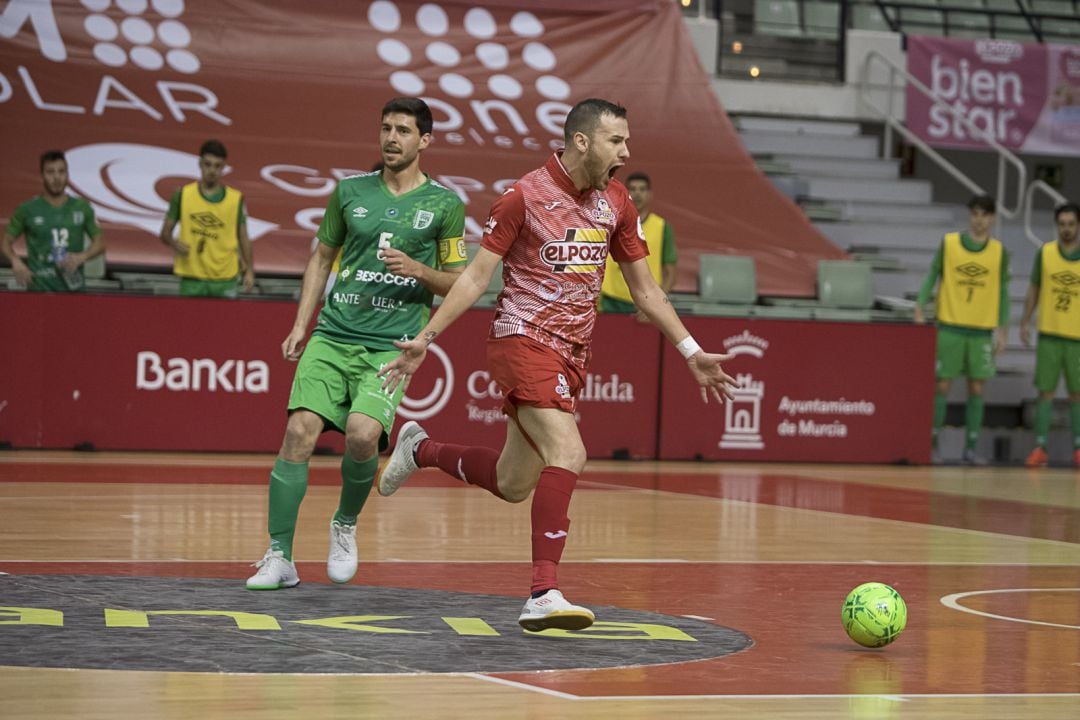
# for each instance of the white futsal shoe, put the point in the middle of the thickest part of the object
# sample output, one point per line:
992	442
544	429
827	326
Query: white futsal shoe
552	610
275	572
341	563
402	462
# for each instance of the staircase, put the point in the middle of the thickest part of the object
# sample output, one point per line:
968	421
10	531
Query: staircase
861	203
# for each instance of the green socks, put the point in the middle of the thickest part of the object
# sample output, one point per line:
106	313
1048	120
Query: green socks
940	402
1042	421
973	420
288	484
356	481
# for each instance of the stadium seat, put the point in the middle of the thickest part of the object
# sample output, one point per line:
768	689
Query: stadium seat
727	279
1009	27
974	24
822	18
845	284
727	285
777	17
919	21
869	17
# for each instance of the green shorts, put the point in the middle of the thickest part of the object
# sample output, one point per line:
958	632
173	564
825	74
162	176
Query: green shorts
194	287
963	353
1054	354
334	379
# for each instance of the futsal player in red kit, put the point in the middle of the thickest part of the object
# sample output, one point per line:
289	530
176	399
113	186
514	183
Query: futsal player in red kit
553	231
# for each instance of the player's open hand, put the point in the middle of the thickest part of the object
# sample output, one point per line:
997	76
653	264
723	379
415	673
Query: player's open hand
72	261
710	376
404	366
293	345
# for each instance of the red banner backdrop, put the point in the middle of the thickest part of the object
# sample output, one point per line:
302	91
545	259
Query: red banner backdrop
294	90
149	373
1027	95
207	375
808	392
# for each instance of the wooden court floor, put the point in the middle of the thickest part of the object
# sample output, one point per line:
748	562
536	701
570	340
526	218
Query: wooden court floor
987	559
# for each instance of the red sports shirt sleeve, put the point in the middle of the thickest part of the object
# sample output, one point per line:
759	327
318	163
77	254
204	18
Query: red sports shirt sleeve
628	242
504	222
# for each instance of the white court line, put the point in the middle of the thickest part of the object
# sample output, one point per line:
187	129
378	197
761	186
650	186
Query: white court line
953	601
524	686
593	561
675	698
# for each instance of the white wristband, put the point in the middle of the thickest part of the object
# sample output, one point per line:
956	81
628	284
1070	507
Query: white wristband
688	347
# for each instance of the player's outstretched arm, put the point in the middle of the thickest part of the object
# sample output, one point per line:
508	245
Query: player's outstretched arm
315	276
462	296
650	299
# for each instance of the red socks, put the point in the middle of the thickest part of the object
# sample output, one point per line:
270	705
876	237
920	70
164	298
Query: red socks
550	501
474	465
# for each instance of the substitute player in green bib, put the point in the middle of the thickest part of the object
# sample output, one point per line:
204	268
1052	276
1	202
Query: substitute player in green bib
56	227
972	316
662	259
212	255
1055	289
400	236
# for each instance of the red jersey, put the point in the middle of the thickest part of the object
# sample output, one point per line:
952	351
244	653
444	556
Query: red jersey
554	241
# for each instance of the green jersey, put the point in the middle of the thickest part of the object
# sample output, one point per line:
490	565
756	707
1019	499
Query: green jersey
51	233
369	305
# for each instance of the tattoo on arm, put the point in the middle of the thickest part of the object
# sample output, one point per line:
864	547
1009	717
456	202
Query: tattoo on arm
429	336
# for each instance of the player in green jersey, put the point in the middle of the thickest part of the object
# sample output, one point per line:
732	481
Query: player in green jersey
972	317
1055	277
56	226
400	236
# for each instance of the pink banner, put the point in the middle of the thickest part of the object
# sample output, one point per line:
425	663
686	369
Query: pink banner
849	400
131	90
1026	95
144	373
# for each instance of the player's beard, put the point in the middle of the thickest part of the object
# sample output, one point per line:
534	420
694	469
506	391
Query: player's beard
55	188
597	170
400	161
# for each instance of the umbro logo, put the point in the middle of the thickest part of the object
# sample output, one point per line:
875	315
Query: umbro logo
1066	278
555	535
207	220
552	205
359	212
972	270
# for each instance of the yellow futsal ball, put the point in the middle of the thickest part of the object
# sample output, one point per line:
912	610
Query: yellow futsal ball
874	614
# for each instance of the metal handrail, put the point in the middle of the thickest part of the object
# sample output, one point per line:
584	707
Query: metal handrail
892	124
1029	197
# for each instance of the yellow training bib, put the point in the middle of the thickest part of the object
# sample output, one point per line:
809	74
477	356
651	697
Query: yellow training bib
1058	291
614	283
210	230
970	284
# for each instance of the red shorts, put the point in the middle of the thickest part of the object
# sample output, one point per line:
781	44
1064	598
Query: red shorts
529	373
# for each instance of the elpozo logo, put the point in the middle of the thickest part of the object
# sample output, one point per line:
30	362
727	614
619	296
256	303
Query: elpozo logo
428	58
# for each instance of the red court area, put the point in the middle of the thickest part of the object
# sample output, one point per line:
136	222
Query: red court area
991	579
